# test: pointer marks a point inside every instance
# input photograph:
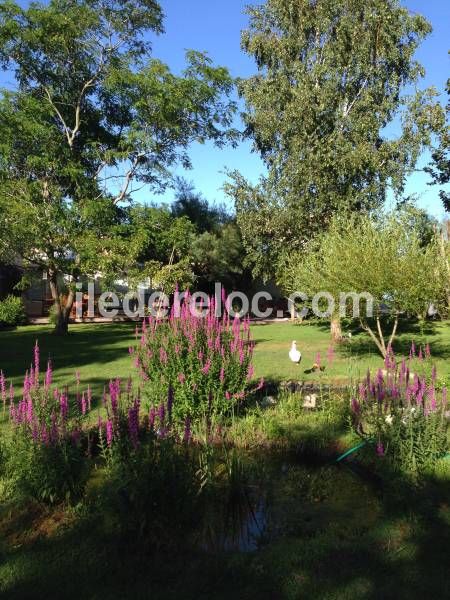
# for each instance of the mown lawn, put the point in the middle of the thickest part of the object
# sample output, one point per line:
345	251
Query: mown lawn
100	352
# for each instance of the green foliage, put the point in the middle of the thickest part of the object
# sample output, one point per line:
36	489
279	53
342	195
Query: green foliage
93	117
156	495
404	414
202	364
12	312
382	257
48	473
439	169
331	76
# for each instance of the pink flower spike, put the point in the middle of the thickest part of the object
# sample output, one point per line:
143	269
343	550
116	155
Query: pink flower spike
48	375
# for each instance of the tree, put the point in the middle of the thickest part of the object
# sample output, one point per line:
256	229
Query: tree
164	243
439	169
219	256
331	78
380	257
92	119
191	204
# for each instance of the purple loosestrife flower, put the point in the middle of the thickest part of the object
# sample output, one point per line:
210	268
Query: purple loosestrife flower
330	356
206	367
54	429
250	372
427	350
380	449
3	389
163	356
161	414
29	409
109	432
83	403
355	406
36	362
64	406
420	356
133	424
35	432
11	394
187	430
48	374
31	378
444	397
170	402
44	435
114	393
434	374
151	418
76	435
412	352
181	378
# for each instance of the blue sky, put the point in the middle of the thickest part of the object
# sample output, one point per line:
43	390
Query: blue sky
214	26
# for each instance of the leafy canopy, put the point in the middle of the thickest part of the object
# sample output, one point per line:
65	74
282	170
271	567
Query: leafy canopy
331	79
91	119
384	257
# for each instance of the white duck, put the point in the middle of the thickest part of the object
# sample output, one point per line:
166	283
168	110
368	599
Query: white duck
294	354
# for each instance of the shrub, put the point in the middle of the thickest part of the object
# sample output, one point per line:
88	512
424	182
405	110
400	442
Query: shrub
203	362
405	414
47	452
12	312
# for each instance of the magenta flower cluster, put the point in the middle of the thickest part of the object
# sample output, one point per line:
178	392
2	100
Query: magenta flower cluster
398	396
45	413
205	361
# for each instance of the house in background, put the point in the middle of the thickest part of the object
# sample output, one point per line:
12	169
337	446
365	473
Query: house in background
9	278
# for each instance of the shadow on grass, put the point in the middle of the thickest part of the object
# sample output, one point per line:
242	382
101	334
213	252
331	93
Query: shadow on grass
83	346
361	345
337	536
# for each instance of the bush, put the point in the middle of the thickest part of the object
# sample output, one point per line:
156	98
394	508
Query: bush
46	455
204	362
12	312
404	413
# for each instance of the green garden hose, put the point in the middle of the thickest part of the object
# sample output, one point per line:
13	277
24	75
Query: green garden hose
348	452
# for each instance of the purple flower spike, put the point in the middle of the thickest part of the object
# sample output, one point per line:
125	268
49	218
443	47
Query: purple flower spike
36	360
380	449
187	430
48	375
109	432
170	402
355	406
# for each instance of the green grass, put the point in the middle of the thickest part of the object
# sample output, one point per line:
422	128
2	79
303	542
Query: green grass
100	352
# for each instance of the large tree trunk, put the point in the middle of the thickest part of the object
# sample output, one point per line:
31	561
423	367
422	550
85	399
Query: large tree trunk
61	325
62	310
336	329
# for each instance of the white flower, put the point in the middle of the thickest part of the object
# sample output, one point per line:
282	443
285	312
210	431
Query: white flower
389	419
